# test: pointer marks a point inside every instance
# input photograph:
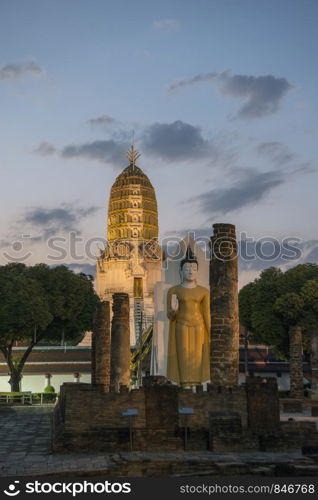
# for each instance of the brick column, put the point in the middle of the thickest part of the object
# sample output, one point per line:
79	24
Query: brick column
120	343
101	347
296	363
224	356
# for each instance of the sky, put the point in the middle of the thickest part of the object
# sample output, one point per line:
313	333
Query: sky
221	96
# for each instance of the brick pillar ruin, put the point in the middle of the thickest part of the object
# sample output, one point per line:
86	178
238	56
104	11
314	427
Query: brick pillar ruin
314	365
224	355
296	363
101	347
120	343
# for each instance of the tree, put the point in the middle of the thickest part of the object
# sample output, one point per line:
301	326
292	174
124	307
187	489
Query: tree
41	304
71	299
276	301
245	303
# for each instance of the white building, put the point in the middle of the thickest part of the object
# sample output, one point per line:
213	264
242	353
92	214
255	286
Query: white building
131	261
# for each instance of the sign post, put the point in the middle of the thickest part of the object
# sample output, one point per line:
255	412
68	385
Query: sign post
130	412
186	412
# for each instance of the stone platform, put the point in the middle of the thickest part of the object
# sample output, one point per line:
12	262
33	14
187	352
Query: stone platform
142	464
25	450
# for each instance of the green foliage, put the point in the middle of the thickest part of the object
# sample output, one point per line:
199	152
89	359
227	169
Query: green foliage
49	389
309	294
294	279
42	302
267	328
276	300
16	362
23	304
290	307
71	299
245	298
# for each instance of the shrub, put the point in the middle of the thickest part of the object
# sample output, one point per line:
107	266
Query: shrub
49	389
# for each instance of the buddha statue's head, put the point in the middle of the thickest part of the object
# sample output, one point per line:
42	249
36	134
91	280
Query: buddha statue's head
189	268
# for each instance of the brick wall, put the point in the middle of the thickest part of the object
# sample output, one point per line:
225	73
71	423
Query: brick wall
262	405
216	399
87	409
90	418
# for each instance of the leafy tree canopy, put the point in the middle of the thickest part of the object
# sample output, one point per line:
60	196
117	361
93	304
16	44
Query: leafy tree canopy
276	300
42	304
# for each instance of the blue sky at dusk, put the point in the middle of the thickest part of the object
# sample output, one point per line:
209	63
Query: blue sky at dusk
221	94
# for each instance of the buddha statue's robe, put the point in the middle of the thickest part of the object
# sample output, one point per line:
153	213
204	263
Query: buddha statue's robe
189	335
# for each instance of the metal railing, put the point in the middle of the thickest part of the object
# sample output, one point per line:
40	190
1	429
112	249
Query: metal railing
29	398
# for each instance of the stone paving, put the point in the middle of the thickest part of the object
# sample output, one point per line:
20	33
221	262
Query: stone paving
25	450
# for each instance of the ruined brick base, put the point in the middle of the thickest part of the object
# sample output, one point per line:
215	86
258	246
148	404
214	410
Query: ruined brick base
241	418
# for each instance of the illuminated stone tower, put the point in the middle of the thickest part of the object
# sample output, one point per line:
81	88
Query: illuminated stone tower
131	261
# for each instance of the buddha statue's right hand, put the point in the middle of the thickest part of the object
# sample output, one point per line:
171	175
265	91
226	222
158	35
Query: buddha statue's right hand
172	315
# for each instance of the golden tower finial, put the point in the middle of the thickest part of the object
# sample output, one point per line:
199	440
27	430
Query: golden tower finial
132	154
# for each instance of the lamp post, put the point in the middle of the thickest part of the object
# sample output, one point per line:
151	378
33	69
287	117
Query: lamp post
246	336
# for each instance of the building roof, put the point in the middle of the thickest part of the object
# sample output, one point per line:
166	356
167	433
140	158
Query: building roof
132	208
132	175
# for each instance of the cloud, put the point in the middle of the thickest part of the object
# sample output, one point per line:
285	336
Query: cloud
101	120
271	252
310	251
280	156
52	221
262	94
311	131
83	268
253	187
45	149
165	25
266	252
5	243
277	152
175	141
202	77
18	70
194	233
109	151
254	254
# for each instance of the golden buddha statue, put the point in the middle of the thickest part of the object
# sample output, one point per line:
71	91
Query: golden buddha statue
189	328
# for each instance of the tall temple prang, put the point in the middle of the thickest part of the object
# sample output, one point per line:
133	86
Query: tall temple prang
131	261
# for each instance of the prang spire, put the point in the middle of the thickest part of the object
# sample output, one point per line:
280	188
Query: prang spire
132	154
